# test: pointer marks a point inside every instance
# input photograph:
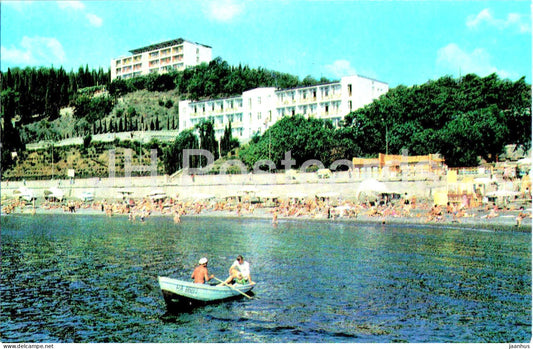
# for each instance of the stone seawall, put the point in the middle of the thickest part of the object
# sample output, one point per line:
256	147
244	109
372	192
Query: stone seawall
340	184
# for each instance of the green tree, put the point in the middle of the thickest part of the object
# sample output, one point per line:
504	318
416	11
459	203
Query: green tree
92	108
159	82
228	142
207	140
173	154
306	139
463	119
11	141
118	88
52	100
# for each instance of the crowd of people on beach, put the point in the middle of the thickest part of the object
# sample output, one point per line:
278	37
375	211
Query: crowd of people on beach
311	208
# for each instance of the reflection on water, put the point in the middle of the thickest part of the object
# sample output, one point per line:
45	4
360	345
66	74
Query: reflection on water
70	278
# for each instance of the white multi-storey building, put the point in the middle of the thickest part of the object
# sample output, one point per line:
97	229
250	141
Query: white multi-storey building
160	58
256	110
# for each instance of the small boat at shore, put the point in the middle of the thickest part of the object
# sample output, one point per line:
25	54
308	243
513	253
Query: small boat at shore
178	293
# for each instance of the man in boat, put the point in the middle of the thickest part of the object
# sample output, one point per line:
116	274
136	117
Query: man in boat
239	272
200	274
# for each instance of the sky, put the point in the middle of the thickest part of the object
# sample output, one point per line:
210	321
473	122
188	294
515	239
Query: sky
398	42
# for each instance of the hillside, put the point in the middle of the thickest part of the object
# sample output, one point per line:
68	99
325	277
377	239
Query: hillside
91	161
466	120
139	110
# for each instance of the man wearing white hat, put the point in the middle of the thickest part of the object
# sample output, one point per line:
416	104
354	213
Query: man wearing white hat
200	274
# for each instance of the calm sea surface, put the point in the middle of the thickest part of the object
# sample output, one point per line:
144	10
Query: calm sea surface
75	278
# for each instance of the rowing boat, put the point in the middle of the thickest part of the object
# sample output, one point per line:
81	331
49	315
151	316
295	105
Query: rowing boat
183	293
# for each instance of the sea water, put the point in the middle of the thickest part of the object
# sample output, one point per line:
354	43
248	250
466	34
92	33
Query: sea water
81	278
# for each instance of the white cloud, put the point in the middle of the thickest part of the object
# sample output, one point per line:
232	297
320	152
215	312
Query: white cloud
94	20
455	60
474	21
340	68
513	20
75	5
223	10
35	51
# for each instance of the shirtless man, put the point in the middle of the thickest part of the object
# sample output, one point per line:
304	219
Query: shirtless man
200	274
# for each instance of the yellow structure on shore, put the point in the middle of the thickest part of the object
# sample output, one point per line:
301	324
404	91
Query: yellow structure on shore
431	163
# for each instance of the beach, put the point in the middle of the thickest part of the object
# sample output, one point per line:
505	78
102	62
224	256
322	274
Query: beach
392	268
344	196
481	218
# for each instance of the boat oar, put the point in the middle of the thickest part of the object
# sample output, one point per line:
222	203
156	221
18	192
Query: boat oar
233	287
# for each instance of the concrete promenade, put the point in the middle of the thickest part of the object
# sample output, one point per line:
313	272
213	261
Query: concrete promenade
344	185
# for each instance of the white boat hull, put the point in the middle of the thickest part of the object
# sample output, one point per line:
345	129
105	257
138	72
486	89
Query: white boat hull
178	291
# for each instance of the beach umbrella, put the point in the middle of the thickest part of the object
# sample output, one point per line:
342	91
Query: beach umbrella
370	189
86	196
124	193
502	193
372	186
55	193
157	195
24	194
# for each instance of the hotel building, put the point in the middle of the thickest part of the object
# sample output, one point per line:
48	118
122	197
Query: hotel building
256	110
160	58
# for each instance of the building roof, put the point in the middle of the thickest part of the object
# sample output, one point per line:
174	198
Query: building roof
161	45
